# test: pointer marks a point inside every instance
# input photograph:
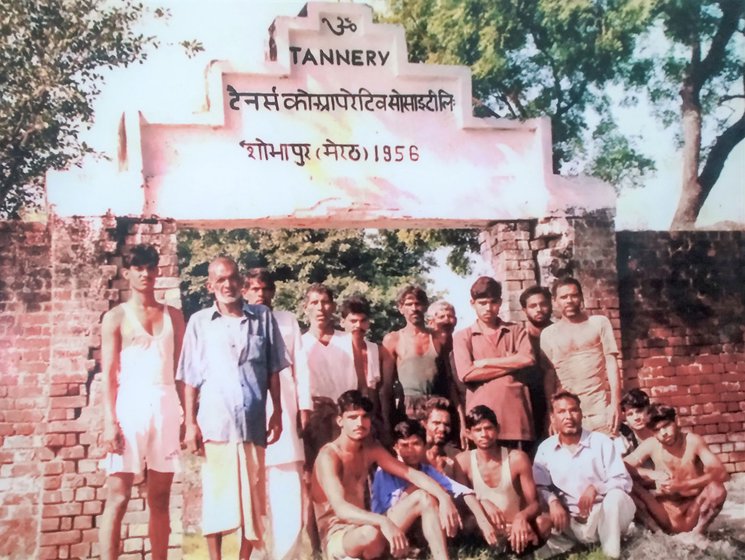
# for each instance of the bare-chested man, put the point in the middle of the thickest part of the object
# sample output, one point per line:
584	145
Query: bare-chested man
409	356
355	318
141	342
338	487
503	482
583	351
689	479
437	424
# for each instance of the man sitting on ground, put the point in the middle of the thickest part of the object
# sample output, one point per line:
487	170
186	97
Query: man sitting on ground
689	479
582	478
338	488
635	415
503	482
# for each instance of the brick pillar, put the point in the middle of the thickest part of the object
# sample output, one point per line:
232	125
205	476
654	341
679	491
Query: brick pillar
56	282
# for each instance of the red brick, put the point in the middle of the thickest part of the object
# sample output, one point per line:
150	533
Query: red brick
80	550
93	507
61	510
83	522
60	537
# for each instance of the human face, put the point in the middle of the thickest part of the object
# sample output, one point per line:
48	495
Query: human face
413	310
487	309
355	424
356	323
567	417
483	434
224	282
666	432
411	450
258	293
444	320
636	418
141	278
438	427
569	301
538	310
319	308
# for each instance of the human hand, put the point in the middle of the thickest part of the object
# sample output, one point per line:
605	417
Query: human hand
274	427
614	419
495	515
449	517
487	530
463	438
396	538
587	500
521	534
113	439
559	515
193	439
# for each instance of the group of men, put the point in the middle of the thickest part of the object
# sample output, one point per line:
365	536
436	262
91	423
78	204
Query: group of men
281	416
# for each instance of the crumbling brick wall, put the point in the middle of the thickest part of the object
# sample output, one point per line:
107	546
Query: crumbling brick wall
56	281
682	308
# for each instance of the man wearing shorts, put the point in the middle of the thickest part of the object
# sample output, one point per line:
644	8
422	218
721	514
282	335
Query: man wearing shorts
141	341
233	353
340	472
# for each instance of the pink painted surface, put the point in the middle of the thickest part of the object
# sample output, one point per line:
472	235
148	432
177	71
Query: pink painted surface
434	163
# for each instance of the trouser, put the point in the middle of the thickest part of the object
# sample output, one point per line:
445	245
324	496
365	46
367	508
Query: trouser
285	491
607	521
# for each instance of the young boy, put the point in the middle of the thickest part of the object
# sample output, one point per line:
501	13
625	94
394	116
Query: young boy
635	415
689	479
503	482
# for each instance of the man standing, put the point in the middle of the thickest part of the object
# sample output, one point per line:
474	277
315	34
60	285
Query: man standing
330	359
141	341
583	351
582	478
411	358
355	318
284	460
338	488
233	353
491	357
536	304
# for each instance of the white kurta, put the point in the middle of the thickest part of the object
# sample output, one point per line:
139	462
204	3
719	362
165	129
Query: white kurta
294	393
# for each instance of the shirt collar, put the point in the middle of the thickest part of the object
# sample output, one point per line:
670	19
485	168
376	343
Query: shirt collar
247	311
476	327
584	440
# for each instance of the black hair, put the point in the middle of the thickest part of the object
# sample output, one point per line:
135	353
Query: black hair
436	403
562	395
660	413
407	428
261	275
353	400
635	398
419	294
478	413
566	281
356	304
534	291
142	255
486	287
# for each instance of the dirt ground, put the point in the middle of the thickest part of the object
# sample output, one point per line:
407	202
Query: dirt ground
725	540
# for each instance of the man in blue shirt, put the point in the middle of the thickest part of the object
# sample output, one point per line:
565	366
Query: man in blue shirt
232	355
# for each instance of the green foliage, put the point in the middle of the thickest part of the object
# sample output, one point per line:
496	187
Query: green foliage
374	263
531	58
52	55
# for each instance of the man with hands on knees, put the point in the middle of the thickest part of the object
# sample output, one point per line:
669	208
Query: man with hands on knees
503	482
581	477
347	529
232	355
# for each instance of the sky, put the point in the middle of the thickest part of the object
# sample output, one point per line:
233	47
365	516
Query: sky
170	85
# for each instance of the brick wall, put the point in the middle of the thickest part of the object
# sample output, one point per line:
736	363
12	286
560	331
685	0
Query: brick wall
56	281
682	307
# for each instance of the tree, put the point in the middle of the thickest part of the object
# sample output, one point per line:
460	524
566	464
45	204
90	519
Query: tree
53	55
374	263
534	57
703	68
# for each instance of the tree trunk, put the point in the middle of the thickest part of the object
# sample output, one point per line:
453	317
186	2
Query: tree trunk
691	196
